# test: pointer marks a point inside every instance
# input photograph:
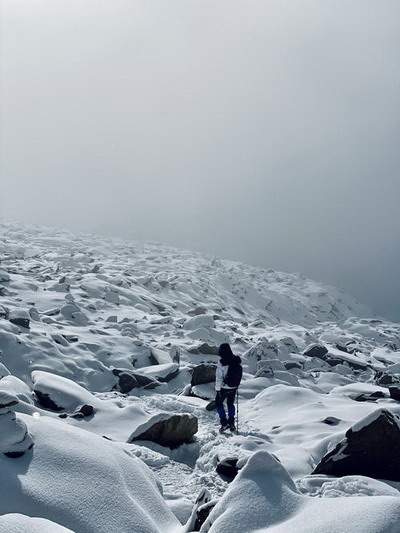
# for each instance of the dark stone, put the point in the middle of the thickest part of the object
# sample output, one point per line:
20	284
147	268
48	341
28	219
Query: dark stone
70	338
128	380
395	393
204	373
46	402
370	450
290	365
197	311
87	410
317	350
202	514
15	455
83	412
211	406
204	349
342	348
331	421
21	322
171	432
369	397
227	468
384	379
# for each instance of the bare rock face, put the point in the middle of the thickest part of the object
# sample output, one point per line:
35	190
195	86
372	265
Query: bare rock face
128	380
203	349
19	317
204	373
170	431
395	393
201	509
369	449
316	350
227	468
14	437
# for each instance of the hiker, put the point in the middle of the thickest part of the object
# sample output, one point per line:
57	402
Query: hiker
227	380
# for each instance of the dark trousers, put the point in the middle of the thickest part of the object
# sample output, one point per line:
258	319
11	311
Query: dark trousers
229	396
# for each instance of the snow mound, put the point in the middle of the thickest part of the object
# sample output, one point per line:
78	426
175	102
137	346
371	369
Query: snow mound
18	523
263	497
82	482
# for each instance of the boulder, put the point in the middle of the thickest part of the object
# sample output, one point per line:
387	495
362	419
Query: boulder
204	373
395	392
291	365
331	421
369	397
4	276
167	430
370	448
316	350
200	321
227	468
128	380
204	349
19	317
267	367
197	311
201	509
162	373
159	357
14	437
383	379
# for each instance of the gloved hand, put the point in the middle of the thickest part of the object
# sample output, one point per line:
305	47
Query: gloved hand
218	396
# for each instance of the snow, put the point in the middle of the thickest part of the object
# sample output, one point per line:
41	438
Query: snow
82	482
263	497
98	306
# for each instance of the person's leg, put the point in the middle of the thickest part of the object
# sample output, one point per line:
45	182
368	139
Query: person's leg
230	400
219	403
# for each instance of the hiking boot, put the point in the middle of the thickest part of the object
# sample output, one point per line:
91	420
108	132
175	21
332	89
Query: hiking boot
232	426
223	427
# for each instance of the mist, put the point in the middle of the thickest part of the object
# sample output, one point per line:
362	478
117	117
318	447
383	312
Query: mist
262	131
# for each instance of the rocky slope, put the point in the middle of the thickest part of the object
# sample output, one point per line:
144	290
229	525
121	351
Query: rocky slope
108	352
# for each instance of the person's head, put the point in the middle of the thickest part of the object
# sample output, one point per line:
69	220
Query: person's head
225	352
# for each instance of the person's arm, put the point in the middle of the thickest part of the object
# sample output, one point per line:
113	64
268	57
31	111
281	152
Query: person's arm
219	377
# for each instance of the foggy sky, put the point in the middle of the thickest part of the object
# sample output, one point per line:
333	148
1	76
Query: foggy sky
260	130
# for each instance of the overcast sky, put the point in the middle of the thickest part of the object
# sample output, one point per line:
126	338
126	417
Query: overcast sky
261	130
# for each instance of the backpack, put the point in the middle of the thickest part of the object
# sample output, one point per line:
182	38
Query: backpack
234	373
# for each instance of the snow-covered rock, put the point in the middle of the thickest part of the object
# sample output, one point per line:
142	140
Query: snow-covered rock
83	482
14	437
167	430
369	449
263	497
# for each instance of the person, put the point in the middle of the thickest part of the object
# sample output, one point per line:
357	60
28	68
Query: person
227	380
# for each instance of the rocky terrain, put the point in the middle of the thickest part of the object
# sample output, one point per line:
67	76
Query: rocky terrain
107	362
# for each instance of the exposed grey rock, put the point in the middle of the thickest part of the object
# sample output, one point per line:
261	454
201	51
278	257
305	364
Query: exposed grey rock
14	437
290	365
227	468
204	373
204	349
316	350
201	509
370	448
46	402
394	392
19	317
171	431
128	380
331	421
369	397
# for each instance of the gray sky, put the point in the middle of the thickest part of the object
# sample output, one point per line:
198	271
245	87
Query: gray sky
260	130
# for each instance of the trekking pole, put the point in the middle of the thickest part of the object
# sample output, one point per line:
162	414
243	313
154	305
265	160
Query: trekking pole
237	410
